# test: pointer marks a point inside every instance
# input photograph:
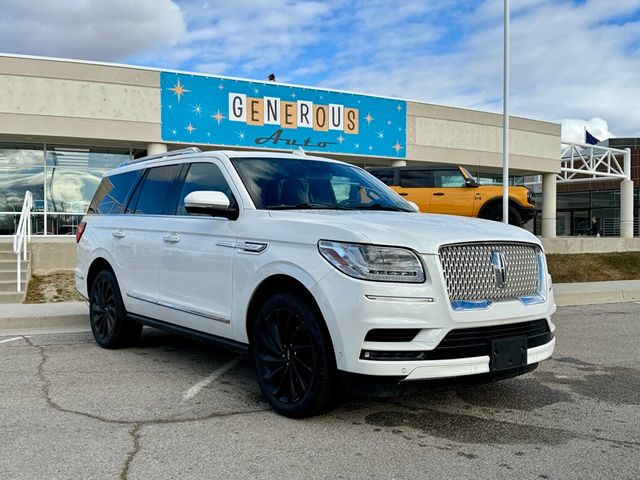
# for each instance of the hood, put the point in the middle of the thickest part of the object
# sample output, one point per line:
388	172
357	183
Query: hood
422	232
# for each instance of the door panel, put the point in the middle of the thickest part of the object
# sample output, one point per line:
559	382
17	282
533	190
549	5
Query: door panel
196	261
450	195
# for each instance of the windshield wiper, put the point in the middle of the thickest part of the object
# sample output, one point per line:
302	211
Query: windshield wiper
379	206
309	206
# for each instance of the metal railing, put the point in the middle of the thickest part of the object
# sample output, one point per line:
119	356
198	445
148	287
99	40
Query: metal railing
22	236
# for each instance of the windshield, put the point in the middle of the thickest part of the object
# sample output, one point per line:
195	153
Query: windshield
291	183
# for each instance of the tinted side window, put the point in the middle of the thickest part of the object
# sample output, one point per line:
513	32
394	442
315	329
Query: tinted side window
414	178
203	176
156	190
112	193
448	178
385	175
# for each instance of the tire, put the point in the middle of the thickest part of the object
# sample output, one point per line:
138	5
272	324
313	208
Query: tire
109	323
293	360
495	213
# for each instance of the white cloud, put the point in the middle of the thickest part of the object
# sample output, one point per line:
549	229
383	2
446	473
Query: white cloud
112	30
567	60
573	129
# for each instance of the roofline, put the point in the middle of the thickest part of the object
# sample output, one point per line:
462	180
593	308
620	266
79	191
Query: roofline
307	87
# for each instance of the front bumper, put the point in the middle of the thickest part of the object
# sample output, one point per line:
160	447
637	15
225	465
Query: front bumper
357	307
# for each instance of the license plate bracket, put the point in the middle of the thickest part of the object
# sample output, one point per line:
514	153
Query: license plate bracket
507	353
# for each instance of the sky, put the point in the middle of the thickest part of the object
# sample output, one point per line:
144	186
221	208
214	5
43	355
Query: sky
575	62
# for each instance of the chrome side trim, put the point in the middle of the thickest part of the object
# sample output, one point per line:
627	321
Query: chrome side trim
192	311
382	298
142	297
253	247
179	308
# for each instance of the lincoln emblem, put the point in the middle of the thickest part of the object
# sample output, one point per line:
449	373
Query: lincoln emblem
499	264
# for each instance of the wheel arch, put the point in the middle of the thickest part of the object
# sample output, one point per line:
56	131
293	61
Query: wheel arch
489	204
280	283
97	265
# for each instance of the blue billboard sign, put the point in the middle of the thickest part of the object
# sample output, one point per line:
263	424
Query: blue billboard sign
238	113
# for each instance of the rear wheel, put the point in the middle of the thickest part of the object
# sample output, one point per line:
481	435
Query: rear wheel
293	360
109	323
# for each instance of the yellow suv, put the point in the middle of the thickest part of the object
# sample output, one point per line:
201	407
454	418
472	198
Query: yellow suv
452	190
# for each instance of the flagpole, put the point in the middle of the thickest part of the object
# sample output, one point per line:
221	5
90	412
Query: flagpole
505	115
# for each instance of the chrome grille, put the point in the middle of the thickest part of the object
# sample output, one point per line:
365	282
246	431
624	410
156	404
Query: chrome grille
470	274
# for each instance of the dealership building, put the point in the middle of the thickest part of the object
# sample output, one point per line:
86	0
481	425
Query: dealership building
64	123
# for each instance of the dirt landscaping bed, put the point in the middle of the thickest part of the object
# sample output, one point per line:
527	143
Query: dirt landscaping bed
53	288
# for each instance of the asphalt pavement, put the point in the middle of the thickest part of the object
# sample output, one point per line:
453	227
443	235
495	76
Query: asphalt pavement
173	408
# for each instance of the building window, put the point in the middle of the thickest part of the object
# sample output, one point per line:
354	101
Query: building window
61	179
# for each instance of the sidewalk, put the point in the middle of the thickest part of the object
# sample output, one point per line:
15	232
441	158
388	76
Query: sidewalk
23	319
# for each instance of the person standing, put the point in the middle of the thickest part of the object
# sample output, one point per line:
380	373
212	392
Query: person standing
595	230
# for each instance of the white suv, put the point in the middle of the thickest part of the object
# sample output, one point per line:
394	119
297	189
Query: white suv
315	267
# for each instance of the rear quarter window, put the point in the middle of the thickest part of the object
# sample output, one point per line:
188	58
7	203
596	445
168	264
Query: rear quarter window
414	178
112	193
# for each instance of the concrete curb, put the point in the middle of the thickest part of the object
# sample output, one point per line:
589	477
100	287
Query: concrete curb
18	318
591	293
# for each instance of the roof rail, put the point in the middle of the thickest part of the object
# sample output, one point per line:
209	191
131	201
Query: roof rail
172	153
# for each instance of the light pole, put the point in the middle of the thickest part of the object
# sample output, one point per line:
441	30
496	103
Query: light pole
505	120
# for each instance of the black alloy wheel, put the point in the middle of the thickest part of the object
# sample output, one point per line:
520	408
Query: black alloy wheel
109	323
293	361
495	213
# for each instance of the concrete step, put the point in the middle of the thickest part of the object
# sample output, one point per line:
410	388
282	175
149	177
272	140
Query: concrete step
10	274
9	255
12	263
12	297
10	286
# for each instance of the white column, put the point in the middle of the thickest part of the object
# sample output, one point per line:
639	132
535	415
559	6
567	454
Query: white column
549	205
626	208
398	163
626	199
155	148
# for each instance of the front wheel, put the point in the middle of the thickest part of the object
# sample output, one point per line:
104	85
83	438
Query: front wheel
293	360
495	213
109	323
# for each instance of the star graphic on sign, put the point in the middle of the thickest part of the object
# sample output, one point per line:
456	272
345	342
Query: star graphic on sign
208	134
357	145
218	116
398	107
170	107
397	147
221	87
256	91
369	118
340	138
370	147
380	135
174	131
293	95
388	122
240	135
197	108
179	90
190	128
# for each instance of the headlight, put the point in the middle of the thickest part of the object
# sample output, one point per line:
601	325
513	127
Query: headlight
371	262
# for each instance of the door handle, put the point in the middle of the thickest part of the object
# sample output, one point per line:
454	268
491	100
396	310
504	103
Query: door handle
171	238
403	194
118	234
438	194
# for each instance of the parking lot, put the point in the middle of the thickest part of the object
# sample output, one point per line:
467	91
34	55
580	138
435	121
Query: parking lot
174	408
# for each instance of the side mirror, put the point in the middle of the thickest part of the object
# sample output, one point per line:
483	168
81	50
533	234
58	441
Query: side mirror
210	203
468	182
